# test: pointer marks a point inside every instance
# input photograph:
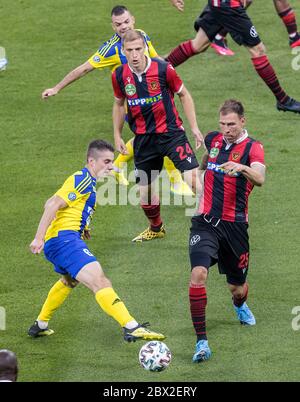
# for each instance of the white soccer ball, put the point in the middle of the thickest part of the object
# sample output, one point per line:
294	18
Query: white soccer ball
155	356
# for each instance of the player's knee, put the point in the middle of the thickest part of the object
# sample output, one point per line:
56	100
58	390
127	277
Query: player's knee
69	282
145	194
201	41
198	47
101	283
199	275
258	50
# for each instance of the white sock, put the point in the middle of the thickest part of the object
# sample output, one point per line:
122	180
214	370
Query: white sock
218	37
42	324
131	324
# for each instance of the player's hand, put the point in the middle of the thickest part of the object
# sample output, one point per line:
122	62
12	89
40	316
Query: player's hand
49	92
37	246
198	137
232	168
121	147
86	234
179	4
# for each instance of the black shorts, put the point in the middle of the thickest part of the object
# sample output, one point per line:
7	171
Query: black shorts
150	150
226	243
235	20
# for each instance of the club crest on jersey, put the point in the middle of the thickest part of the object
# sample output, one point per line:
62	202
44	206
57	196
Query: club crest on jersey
235	156
194	240
130	89
214	152
253	32
153	85
72	196
96	59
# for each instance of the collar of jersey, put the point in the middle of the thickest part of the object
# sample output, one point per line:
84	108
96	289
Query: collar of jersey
146	69
85	169
239	140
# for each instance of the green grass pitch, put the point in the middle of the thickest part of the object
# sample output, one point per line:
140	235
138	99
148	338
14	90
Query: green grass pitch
42	142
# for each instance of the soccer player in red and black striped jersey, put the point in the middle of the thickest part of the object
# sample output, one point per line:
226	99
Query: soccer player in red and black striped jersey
148	86
288	17
231	15
234	164
284	11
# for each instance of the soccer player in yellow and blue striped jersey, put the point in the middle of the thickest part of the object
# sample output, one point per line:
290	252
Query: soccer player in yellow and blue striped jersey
110	56
61	233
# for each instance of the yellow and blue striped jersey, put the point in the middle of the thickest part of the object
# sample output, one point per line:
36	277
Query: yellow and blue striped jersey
110	53
79	192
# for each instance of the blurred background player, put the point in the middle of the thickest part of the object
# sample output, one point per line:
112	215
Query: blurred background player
62	228
233	164
288	17
284	11
110	56
232	16
148	87
8	366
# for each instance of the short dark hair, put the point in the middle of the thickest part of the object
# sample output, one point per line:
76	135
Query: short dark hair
98	145
8	365
232	106
131	35
118	10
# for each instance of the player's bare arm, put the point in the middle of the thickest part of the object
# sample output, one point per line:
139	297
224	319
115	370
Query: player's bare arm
247	3
179	4
189	110
72	76
51	207
255	174
86	234
118	122
204	161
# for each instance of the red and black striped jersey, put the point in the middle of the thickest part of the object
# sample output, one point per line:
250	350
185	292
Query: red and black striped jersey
226	197
150	97
226	3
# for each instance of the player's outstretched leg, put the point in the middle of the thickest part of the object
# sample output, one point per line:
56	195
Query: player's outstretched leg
92	276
